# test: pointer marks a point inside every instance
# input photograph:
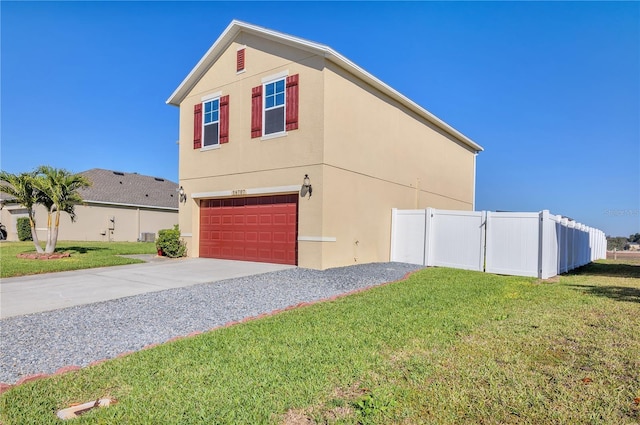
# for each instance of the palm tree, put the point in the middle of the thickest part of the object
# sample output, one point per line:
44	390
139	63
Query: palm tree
58	193
23	188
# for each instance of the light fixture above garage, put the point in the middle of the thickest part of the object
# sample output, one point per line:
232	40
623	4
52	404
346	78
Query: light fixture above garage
183	195
306	187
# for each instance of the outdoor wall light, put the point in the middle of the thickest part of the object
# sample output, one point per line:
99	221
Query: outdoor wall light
183	195
306	187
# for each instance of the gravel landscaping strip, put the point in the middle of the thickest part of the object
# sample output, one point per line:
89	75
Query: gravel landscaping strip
78	336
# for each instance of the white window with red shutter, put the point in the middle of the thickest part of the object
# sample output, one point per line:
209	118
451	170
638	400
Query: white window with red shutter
274	106
211	122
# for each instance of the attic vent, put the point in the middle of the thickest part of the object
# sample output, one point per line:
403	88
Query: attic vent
118	173
240	60
158	179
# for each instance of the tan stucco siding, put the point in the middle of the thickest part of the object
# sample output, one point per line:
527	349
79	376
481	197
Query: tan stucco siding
253	163
369	133
243	153
92	223
357	213
365	154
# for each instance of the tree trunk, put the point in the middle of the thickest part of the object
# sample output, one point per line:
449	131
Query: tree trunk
49	248
54	234
34	235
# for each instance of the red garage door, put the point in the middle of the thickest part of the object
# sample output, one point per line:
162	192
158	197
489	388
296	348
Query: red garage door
263	228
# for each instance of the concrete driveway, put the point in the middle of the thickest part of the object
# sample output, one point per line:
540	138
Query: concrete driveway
52	291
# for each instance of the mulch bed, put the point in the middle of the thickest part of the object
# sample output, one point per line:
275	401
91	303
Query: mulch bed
36	256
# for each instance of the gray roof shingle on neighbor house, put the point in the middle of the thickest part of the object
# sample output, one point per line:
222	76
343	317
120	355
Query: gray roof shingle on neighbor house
115	187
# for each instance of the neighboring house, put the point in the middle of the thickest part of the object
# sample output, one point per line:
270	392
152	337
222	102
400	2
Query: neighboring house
632	246
117	207
261	110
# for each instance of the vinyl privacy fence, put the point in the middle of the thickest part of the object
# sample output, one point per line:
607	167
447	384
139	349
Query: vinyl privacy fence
522	244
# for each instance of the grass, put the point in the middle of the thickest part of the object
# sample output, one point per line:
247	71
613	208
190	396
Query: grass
443	347
84	255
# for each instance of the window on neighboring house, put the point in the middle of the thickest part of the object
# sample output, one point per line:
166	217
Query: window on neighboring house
211	123
274	107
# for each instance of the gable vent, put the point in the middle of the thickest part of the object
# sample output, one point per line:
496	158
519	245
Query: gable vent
240	60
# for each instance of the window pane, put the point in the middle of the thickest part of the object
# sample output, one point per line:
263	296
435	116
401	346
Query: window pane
280	99
269	102
269	88
280	86
207	107
211	134
216	104
274	120
215	116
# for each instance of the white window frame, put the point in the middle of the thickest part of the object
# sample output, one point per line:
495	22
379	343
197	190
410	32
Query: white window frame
270	80
207	99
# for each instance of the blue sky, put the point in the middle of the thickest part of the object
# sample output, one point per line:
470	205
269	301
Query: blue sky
551	90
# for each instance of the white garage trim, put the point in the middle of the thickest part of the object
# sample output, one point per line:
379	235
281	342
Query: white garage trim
316	239
247	192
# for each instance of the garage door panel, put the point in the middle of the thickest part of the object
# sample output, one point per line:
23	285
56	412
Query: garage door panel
280	237
265	237
260	228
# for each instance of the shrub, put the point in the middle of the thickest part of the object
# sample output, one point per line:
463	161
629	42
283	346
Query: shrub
170	244
24	229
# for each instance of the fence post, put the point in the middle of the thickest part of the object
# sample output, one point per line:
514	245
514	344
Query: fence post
428	237
483	248
541	242
394	236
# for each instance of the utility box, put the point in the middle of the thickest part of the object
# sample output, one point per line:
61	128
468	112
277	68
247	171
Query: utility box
147	237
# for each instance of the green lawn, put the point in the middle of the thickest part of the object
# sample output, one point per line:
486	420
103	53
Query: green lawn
84	255
443	347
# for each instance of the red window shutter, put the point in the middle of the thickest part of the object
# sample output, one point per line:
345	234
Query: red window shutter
224	119
240	60
197	126
292	102
256	112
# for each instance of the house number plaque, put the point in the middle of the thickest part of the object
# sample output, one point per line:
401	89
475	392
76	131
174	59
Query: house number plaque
236	192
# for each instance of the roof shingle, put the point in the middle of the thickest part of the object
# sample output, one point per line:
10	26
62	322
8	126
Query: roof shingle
129	189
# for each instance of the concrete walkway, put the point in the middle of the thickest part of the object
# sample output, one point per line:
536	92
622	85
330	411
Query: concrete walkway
53	291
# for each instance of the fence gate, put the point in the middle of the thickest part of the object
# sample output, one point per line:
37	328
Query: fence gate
455	239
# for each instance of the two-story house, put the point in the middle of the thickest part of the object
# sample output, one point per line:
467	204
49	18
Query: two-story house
262	110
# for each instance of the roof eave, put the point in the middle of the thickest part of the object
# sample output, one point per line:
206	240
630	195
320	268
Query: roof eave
218	47
236	26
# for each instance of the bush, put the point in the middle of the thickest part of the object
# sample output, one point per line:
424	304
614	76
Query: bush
24	229
170	244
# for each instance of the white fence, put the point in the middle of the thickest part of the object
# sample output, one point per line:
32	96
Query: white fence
522	244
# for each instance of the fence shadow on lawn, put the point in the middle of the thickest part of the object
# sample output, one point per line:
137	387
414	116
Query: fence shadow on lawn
608	269
618	293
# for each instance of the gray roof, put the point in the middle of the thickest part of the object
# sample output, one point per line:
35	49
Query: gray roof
114	187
